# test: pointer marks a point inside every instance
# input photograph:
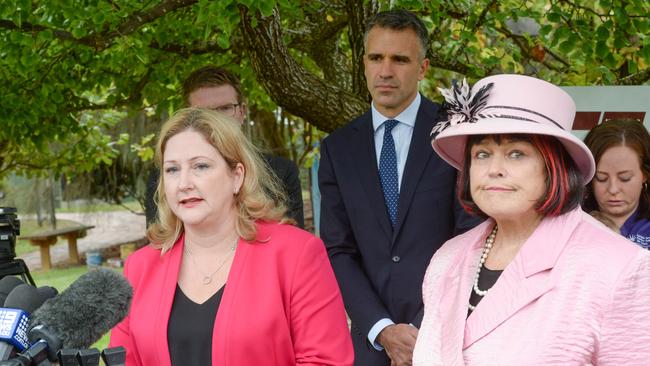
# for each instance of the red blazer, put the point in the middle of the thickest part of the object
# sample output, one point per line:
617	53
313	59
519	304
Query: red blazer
281	305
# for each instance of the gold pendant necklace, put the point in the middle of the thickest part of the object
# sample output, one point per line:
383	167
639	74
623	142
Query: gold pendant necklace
207	278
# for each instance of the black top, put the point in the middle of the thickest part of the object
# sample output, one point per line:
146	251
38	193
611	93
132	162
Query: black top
283	168
189	333
486	280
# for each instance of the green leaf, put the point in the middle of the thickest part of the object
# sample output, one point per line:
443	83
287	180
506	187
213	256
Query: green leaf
644	53
602	33
123	139
642	25
78	32
545	30
98	18
621	16
619	41
46	35
554	17
567	46
587	49
57	97
632	67
601	49
266	7
146	154
223	41
610	61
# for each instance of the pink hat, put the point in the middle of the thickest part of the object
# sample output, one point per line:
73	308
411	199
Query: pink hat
509	104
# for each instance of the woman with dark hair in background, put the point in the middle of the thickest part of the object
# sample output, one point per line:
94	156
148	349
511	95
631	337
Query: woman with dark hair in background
619	191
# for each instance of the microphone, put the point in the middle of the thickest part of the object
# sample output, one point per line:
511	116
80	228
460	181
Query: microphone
14	318
47	292
7	284
82	313
88	357
67	357
114	356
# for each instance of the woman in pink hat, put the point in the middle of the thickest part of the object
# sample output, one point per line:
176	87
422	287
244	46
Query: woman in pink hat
540	282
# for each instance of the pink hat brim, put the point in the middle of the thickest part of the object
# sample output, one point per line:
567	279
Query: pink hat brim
450	143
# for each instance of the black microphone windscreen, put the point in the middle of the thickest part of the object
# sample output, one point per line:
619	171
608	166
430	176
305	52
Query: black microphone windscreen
85	311
24	297
47	292
7	284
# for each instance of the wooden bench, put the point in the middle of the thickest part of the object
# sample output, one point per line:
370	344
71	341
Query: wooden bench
48	238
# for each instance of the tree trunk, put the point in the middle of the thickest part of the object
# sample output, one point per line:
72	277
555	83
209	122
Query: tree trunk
300	92
266	132
358	14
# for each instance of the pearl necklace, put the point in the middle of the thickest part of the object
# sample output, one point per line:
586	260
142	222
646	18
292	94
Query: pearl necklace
486	249
207	278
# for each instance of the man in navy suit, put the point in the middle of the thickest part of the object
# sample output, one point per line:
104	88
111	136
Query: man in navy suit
388	201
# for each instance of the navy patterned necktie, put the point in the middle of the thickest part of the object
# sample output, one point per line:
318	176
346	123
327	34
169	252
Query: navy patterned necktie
388	171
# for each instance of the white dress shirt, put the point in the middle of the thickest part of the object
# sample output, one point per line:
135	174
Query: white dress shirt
402	133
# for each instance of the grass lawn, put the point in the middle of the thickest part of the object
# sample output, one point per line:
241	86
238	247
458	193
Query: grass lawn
61	278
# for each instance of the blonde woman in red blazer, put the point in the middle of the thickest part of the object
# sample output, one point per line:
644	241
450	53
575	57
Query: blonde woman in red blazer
219	234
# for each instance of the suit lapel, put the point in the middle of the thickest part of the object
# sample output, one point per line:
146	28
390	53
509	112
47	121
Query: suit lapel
222	323
420	152
525	279
454	298
365	158
511	293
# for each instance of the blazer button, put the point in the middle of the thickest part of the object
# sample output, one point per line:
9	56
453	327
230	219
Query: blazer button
396	259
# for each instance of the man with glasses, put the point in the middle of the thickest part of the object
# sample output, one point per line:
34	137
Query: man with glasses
218	89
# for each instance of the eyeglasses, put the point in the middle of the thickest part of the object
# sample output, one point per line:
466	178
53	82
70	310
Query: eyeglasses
227	109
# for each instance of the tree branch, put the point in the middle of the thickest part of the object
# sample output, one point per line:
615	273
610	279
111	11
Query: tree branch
590	10
27	27
289	84
134	21
189	50
451	64
358	15
638	78
320	41
104	39
522	43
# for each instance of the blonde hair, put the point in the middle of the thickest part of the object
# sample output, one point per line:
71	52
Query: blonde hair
260	196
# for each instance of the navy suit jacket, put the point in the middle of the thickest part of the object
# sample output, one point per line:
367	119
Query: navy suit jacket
380	270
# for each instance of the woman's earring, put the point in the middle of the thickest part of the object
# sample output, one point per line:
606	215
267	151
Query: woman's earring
645	185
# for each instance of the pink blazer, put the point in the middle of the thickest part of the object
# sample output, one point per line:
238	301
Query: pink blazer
575	294
281	305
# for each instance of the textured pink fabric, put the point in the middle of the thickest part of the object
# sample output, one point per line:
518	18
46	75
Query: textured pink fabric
281	305
575	294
